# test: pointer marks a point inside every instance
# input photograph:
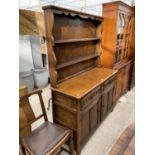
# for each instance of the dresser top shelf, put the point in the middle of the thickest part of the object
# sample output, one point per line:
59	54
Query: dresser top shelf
73	13
80	85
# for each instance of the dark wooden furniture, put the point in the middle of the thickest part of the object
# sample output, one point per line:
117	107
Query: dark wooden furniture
125	145
116	36
82	89
23	119
48	137
132	53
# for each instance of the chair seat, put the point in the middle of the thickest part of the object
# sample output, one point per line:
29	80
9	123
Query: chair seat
44	138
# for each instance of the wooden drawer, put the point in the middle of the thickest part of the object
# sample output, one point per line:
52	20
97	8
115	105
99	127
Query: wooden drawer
93	95
60	98
106	87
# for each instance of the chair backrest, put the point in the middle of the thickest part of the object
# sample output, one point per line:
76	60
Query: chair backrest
23	90
27	110
23	119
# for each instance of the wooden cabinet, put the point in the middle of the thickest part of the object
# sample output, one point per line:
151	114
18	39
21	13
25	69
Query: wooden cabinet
84	109
116	41
122	79
132	76
132	55
82	89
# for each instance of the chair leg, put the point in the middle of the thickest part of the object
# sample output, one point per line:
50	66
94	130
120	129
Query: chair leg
78	151
23	150
71	145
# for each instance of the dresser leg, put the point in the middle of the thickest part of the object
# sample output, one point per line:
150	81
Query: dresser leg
78	152
78	148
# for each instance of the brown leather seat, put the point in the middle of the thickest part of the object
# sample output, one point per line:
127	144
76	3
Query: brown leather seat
45	137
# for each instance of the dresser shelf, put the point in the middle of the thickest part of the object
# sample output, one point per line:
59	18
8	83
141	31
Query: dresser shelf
76	40
77	61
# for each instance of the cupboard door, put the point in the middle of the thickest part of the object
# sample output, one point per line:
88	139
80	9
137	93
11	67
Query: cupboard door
127	75
93	115
107	99
90	120
131	81
119	85
85	128
104	107
123	81
110	100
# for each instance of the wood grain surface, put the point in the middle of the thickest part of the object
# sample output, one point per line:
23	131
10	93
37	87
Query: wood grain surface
85	82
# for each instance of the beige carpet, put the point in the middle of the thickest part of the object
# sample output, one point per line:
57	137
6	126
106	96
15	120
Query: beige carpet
108	132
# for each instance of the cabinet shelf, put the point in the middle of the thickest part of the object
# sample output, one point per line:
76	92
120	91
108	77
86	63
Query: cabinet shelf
77	61
76	40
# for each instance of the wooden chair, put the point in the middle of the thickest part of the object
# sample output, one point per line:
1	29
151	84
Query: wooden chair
48	138
23	119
